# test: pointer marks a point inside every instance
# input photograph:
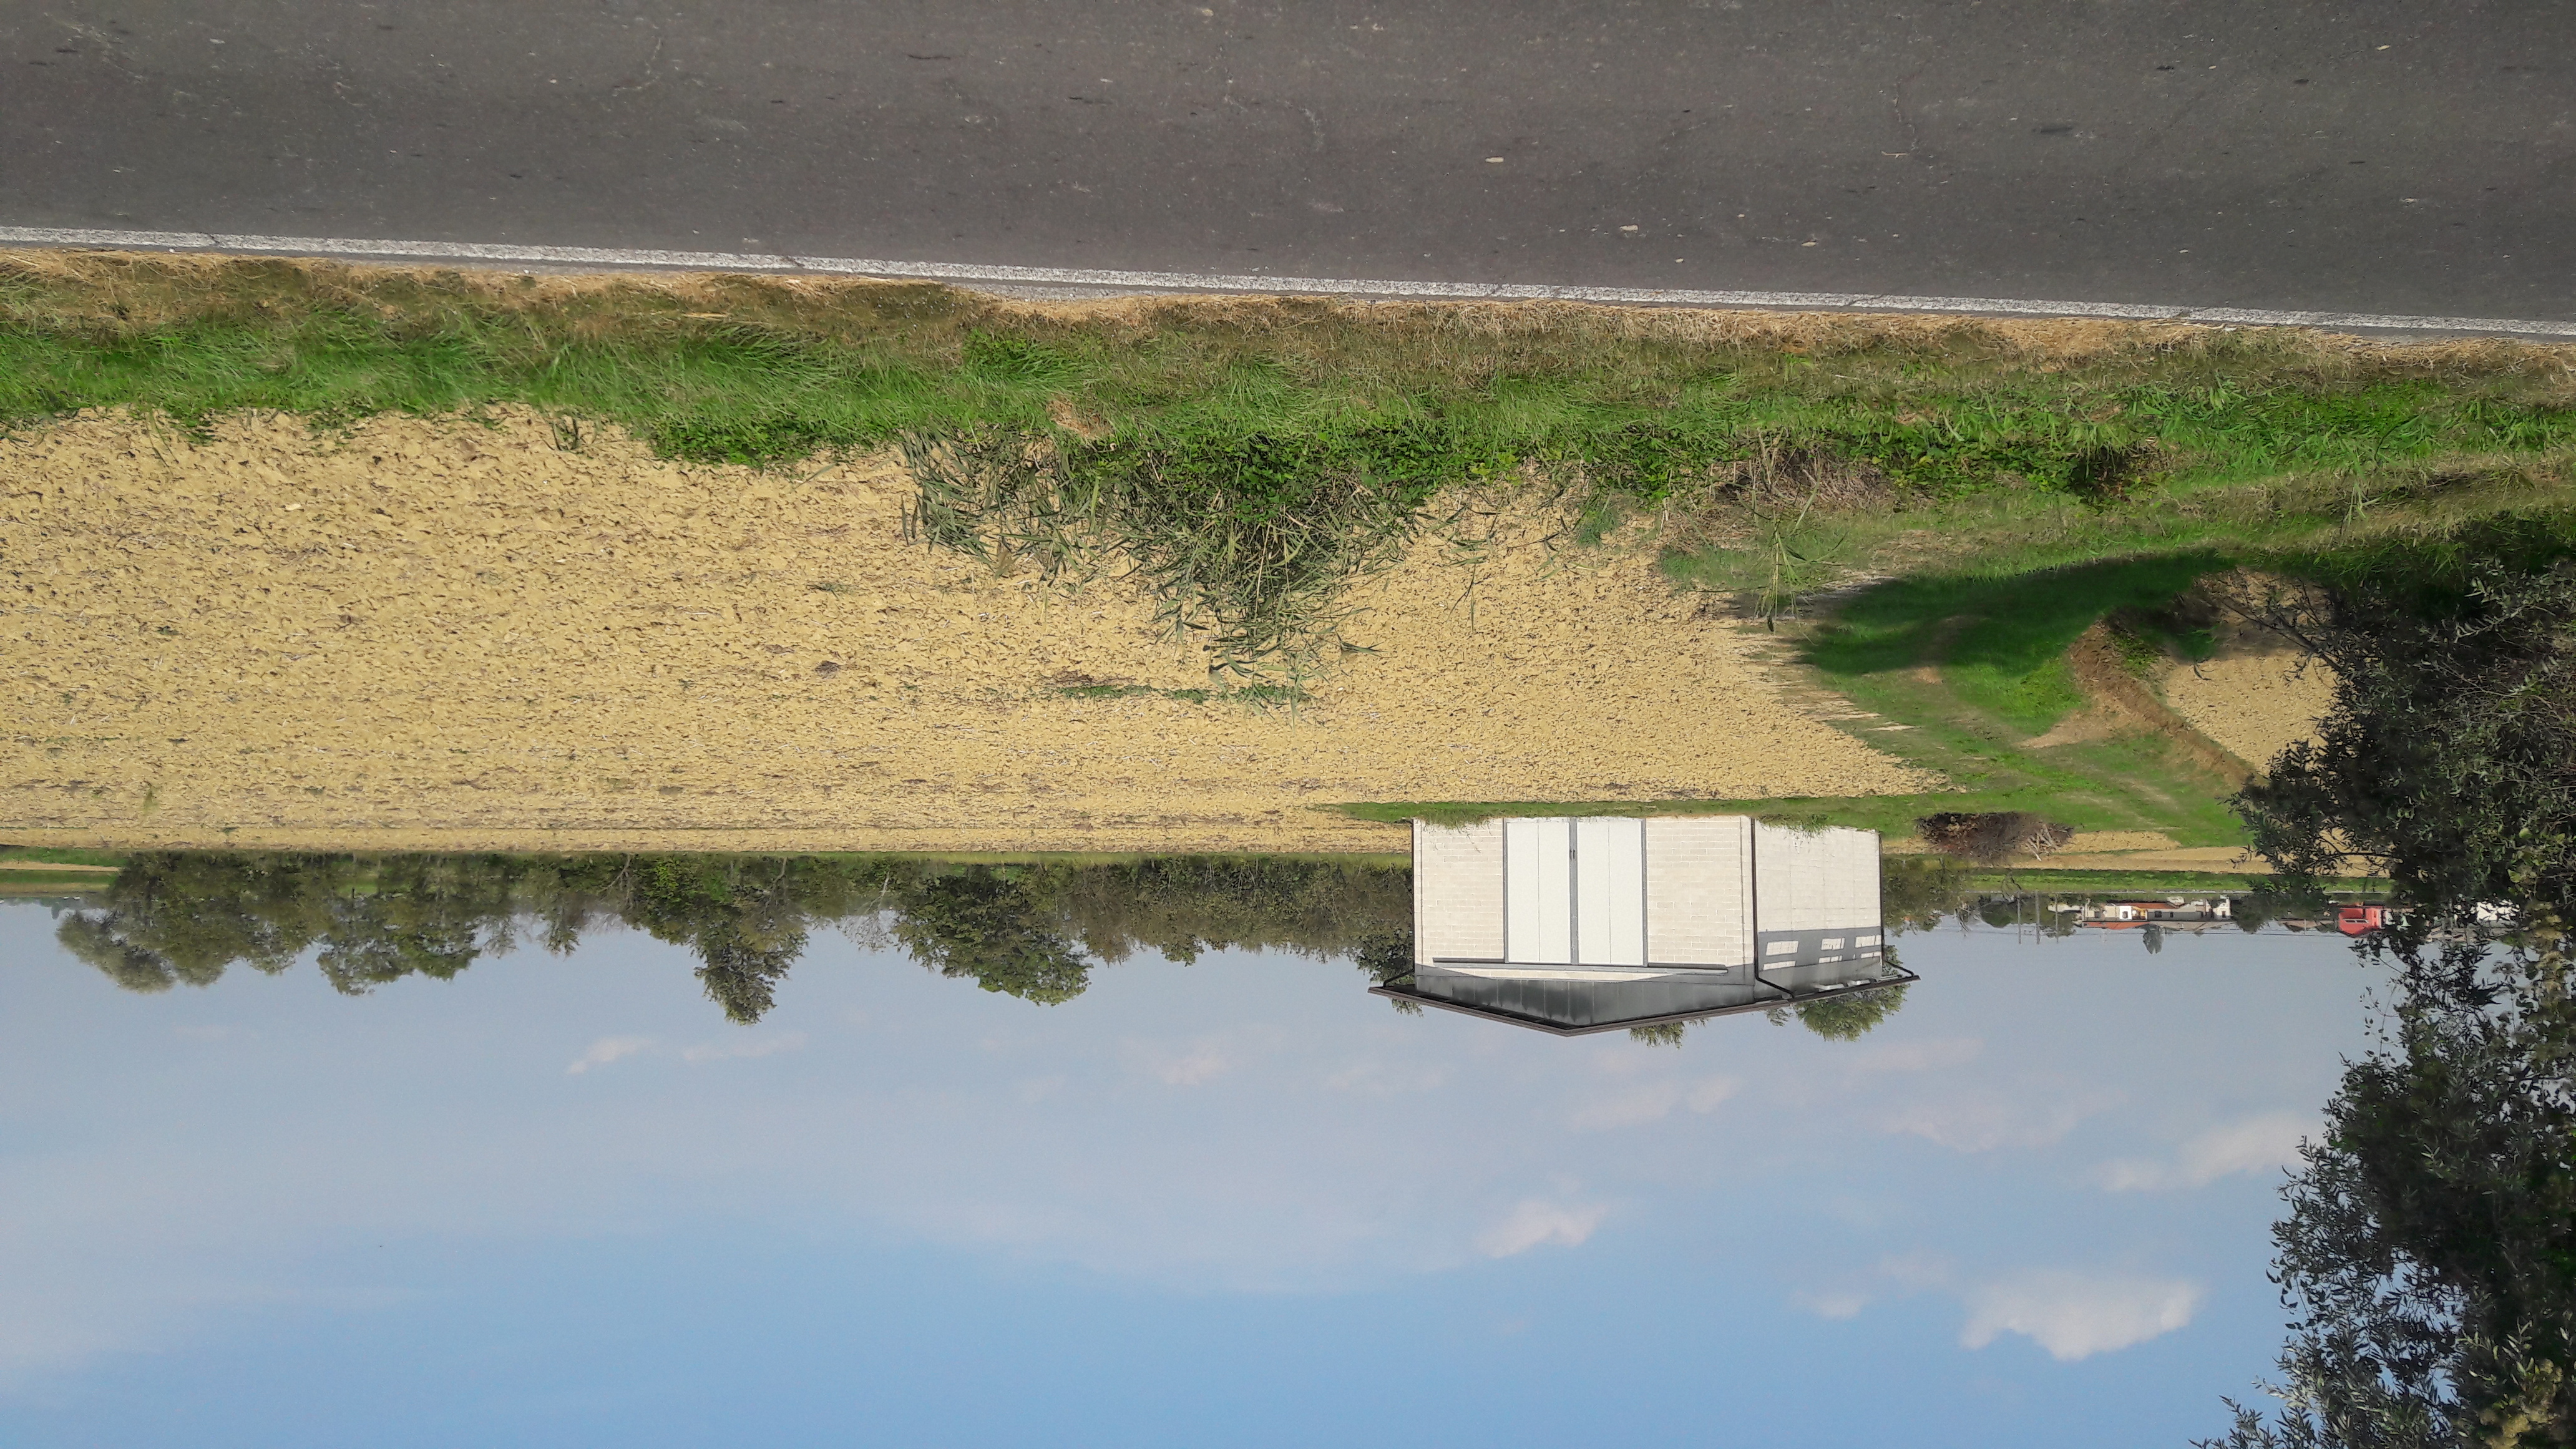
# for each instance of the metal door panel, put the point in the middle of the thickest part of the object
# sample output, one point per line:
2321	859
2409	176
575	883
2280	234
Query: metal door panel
1610	892
1538	892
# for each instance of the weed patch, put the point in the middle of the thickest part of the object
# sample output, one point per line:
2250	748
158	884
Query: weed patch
1258	696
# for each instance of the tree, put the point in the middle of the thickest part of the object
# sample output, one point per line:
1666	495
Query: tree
983	925
2429	1254
2429	1251
174	918
2448	759
1850	1015
742	976
182	918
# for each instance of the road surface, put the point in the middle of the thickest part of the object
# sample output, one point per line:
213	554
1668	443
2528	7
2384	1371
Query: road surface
2383	157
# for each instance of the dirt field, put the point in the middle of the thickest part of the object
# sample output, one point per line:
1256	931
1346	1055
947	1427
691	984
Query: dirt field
2260	694
445	635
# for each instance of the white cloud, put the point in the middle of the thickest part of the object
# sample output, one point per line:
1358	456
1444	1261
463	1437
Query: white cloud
1198	1065
1834	1305
1916	1270
1534	1222
605	1050
1903	1272
1652	1102
1919	1056
2257	1144
1380	1079
759	1046
1626	1109
1710	1092
2074	1316
1982	1121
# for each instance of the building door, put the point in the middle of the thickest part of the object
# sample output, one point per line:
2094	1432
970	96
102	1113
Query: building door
1610	892
1574	892
1538	892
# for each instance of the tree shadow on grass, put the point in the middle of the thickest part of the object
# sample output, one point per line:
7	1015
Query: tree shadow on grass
2000	642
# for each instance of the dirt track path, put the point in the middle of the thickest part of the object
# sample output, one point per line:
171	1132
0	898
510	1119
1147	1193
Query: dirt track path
445	635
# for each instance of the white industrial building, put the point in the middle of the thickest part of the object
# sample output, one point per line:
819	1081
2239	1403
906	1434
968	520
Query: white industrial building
1574	925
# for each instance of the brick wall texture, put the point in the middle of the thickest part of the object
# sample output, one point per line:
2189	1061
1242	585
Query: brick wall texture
1817	880
1457	892
1698	881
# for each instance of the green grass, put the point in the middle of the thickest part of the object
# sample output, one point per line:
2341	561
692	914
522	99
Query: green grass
1250	458
1999	639
779	372
59	855
2147	882
2192	812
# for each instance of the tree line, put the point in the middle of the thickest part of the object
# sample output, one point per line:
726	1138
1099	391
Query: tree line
1033	931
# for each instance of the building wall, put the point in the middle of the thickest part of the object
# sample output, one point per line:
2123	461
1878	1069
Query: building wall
1815	880
1707	879
1699	880
1457	892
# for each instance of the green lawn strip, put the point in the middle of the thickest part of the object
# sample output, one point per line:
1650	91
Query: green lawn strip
2129	782
1996	640
1997	643
61	855
53	882
1890	815
2145	882
763	370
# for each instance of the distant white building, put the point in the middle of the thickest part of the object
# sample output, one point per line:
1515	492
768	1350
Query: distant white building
1575	925
2183	911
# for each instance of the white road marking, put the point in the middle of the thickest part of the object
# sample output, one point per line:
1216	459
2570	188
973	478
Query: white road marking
1114	281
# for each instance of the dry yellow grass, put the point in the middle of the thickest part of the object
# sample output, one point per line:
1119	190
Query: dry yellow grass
440	634
138	291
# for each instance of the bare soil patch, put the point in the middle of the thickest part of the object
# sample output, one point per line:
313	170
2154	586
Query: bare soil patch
450	634
2105	678
2258	694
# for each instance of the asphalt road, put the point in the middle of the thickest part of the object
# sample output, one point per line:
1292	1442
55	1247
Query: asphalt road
2384	157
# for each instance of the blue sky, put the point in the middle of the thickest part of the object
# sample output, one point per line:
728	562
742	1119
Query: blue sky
562	1201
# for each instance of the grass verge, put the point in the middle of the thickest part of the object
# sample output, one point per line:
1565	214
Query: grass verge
1247	457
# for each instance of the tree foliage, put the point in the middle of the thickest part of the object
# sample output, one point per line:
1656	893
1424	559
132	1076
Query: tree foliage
2428	1255
1028	931
2449	756
1850	1016
2429	1252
